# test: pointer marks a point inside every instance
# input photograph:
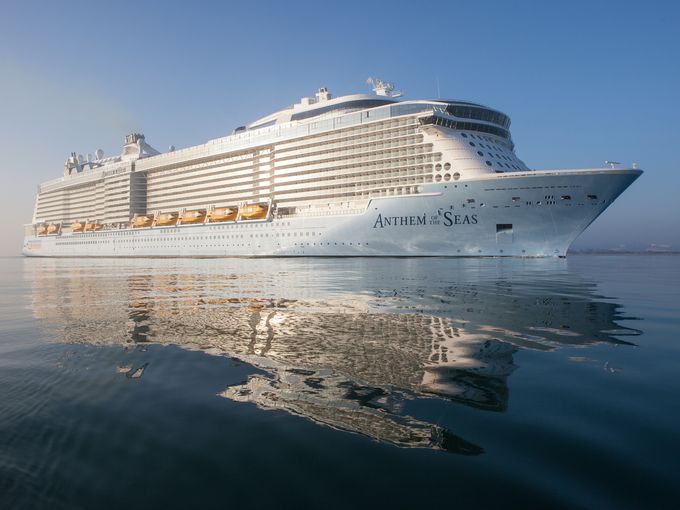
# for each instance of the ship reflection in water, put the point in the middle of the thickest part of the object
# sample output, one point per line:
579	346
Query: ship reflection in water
347	343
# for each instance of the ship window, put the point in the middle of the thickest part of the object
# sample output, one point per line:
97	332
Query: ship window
480	153
503	227
447	166
471	112
456	176
592	197
464	135
488	163
356	105
566	197
515	199
472	144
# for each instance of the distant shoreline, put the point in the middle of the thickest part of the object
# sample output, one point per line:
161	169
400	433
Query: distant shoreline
621	252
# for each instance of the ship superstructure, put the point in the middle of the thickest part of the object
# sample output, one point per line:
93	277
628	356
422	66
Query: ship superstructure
359	175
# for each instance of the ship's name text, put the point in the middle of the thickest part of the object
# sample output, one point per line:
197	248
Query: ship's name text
445	218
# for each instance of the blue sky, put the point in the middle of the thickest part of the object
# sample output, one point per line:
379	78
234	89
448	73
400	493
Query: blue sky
583	82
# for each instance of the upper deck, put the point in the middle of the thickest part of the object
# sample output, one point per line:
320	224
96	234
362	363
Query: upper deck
307	118
322	149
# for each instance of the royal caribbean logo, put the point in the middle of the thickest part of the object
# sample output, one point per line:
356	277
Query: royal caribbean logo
445	218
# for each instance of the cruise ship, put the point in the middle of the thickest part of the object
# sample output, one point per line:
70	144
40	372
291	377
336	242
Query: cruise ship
356	175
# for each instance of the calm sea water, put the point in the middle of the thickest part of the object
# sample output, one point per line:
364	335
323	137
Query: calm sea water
340	383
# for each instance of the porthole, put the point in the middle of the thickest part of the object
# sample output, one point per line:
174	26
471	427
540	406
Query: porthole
447	166
456	176
438	167
447	177
438	177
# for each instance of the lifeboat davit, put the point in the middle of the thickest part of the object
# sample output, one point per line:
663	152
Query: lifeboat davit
193	217
76	226
53	229
253	211
141	221
166	218
223	214
40	229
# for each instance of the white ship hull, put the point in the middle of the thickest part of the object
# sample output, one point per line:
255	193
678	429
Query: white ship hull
533	214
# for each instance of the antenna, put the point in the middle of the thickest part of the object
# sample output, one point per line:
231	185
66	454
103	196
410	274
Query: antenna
439	95
383	88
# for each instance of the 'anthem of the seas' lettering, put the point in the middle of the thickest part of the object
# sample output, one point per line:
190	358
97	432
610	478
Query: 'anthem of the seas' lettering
448	219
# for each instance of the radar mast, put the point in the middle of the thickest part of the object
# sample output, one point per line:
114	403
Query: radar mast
383	88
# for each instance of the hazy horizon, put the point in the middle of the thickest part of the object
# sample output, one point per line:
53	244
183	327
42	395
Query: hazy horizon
582	84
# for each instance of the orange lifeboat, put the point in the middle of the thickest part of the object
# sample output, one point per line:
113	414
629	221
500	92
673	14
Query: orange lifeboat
223	214
253	211
76	226
166	219
193	217
141	221
53	229
92	227
40	229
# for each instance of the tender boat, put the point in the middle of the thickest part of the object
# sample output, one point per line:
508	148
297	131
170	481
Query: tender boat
223	214
253	211
165	219
141	222
191	217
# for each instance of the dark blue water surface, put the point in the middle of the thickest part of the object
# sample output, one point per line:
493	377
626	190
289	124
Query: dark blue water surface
340	383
